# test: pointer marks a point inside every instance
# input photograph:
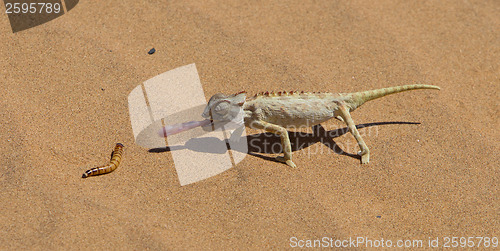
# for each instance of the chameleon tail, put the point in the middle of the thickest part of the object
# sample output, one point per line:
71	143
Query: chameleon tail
359	98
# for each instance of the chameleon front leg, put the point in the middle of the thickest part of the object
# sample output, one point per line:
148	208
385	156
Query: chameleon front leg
236	135
285	140
346	116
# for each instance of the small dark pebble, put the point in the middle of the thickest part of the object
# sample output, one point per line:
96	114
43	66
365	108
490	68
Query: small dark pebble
378	216
151	51
102	89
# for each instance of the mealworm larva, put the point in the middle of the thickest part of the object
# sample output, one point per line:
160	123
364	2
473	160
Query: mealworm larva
116	157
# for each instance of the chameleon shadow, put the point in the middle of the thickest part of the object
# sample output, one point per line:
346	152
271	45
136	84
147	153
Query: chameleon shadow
301	140
270	143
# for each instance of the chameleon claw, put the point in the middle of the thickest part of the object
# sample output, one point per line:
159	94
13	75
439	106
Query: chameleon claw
291	164
288	162
365	157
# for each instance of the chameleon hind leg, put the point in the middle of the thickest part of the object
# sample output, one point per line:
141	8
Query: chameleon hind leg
346	116
285	140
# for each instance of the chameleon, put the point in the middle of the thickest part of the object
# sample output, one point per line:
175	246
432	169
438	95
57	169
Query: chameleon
277	112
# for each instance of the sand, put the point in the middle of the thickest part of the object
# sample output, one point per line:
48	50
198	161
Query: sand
434	169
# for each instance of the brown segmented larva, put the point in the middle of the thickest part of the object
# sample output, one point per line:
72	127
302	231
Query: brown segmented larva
116	157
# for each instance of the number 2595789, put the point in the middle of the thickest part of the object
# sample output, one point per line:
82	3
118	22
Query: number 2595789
32	8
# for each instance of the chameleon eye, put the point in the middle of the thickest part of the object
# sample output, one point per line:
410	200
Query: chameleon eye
221	108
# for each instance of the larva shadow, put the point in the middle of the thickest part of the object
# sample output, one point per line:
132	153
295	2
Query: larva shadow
269	143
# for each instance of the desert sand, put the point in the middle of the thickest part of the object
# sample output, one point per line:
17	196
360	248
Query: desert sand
434	166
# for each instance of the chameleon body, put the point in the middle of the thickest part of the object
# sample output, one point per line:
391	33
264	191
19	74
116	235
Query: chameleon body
277	112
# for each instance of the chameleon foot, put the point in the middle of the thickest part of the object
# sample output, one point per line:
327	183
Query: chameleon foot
288	162
365	157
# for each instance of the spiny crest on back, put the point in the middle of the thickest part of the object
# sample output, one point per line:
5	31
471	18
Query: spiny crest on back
285	93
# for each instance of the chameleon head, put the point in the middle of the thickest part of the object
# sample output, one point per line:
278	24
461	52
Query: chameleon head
225	108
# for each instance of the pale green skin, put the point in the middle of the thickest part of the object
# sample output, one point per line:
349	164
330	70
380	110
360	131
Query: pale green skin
277	112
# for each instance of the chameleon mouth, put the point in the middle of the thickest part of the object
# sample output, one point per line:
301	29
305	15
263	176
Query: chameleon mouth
210	126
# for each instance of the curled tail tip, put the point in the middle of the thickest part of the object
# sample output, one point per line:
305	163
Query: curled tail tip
418	86
433	87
